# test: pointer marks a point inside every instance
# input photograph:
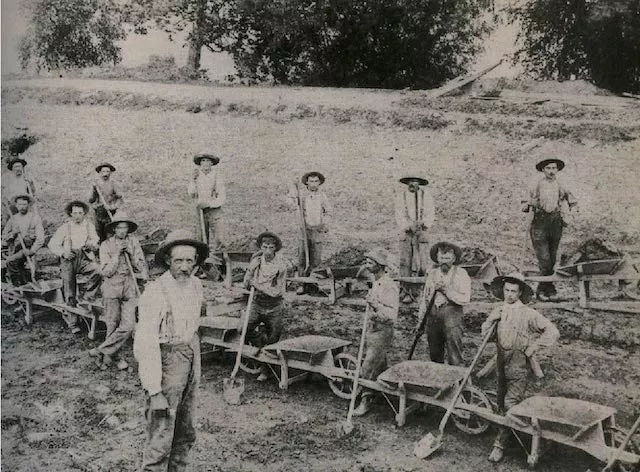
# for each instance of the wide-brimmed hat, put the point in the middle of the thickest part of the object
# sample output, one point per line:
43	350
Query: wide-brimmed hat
418	180
379	256
121	217
181	237
314	173
269	234
445	245
543	163
197	159
23	196
497	285
105	164
73	203
15	161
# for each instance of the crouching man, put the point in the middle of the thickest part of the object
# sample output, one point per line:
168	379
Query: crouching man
167	348
267	273
520	333
383	303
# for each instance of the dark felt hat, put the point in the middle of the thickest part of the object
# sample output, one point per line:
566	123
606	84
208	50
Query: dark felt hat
543	163
197	159
23	196
314	173
15	161
497	285
181	237
418	180
105	164
269	234
121	217
445	245
75	203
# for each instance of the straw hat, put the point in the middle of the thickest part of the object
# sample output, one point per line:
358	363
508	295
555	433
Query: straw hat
380	256
121	217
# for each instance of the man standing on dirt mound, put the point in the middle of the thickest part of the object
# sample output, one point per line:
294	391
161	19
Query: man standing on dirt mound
383	305
415	214
316	210
120	258
105	198
167	348
520	333
550	201
450	287
208	189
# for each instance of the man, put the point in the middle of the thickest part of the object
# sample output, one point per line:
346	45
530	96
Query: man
167	348
451	286
550	201
119	256
208	189
383	304
15	183
267	273
76	242
316	210
415	214
521	332
25	224
105	188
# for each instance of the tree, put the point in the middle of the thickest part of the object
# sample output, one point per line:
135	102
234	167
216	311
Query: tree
71	33
588	39
356	43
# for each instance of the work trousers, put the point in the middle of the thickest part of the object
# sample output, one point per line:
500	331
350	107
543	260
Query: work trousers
170	438
444	333
316	236
215	227
271	317
546	232
17	271
414	253
378	343
80	264
119	299
103	218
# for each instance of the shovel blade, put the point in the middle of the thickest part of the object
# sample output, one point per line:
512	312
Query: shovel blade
427	446
233	390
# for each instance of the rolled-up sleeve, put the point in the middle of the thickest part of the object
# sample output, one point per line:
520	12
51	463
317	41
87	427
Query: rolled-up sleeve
146	344
459	291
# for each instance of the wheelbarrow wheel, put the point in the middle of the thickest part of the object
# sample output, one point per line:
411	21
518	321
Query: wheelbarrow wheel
614	437
342	387
466	421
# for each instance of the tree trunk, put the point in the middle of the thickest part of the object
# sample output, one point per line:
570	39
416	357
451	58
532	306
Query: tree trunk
196	40
194	56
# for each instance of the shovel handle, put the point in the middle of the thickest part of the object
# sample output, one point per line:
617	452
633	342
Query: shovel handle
104	202
356	378
243	335
203	228
32	265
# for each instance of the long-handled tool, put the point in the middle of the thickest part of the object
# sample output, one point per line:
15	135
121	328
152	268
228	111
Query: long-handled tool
622	447
347	426
303	230
203	228
430	443
32	265
423	321
234	388
133	275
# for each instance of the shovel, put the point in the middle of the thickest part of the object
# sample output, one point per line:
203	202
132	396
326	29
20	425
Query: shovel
234	388
431	443
347	426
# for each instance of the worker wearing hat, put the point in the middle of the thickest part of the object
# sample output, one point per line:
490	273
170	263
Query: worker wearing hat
167	348
316	209
208	189
23	227
415	213
16	182
121	263
267	272
76	242
550	201
521	332
104	188
382	304
450	286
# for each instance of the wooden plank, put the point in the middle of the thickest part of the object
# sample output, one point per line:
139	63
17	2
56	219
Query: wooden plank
461	82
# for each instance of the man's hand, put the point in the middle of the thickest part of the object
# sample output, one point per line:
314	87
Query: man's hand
90	247
159	404
440	286
68	255
29	252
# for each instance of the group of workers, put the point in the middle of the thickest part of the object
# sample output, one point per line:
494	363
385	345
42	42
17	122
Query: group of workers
166	344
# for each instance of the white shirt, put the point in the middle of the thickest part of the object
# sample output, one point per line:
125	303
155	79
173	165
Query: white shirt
209	189
72	236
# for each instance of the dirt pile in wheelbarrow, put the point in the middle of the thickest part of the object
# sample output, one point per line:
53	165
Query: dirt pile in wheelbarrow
594	249
348	257
242	245
474	255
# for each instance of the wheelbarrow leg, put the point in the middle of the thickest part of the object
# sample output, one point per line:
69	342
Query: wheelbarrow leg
401	417
533	458
28	312
284	371
92	328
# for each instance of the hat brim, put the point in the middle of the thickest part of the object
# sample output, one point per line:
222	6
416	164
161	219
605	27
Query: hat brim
377	259
202	250
79	203
112	224
433	252
306	176
542	164
198	159
13	162
23	196
109	166
497	284
268	234
419	180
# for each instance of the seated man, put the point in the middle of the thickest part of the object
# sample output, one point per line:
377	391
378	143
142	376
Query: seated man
75	242
267	273
25	224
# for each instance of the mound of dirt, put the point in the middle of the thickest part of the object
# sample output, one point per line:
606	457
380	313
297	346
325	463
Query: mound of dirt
18	144
474	255
569	87
242	245
594	249
347	257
